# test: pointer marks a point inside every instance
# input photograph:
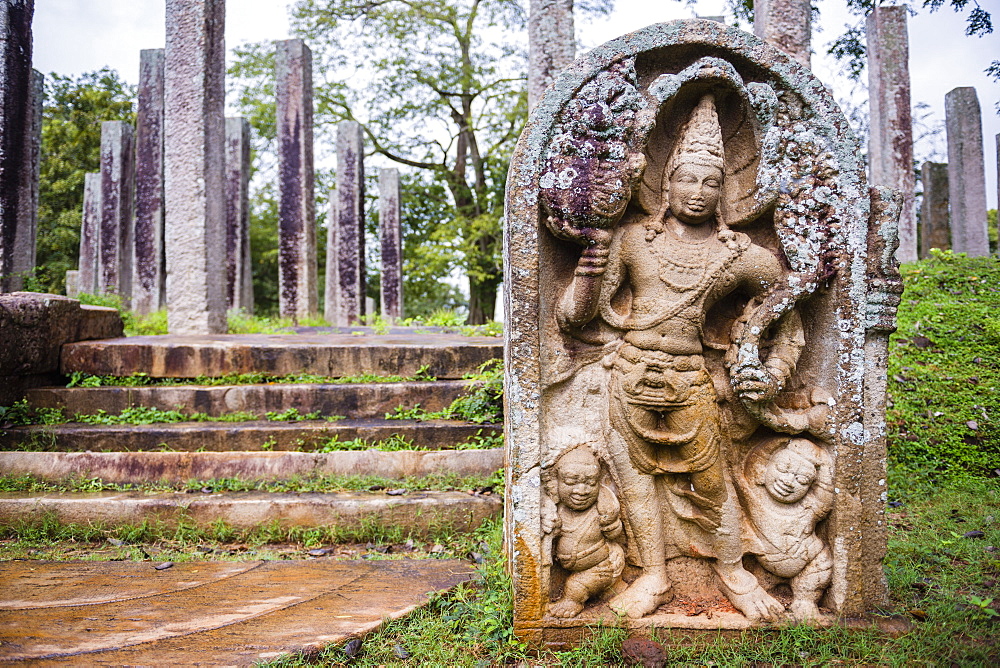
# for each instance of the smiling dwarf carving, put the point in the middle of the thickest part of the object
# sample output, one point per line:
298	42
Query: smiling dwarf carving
788	488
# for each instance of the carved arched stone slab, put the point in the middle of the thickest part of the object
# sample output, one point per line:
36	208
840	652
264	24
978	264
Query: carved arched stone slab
699	289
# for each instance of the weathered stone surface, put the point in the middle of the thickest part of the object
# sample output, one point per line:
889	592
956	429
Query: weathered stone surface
180	467
966	172
194	158
551	44
418	513
296	198
90	234
335	355
34	327
345	247
890	146
785	25
149	279
117	237
233	436
246	613
371	400
935	230
391	234
695	350
239	272
16	122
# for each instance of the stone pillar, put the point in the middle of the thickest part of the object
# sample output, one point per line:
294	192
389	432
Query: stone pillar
934	229
16	86
551	44
194	138
239	278
149	285
90	234
785	24
296	204
345	250
115	253
391	235
890	147
25	241
966	172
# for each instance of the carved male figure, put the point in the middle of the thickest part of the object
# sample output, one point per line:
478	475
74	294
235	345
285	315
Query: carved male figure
655	279
586	528
788	490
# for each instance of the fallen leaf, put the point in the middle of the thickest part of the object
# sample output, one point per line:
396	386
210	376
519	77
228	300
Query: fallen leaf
918	614
973	534
164	566
352	648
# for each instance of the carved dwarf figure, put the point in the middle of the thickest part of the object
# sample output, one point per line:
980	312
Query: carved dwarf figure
585	527
788	488
655	279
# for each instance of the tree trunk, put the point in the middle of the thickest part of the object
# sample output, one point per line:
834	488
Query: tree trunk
482	300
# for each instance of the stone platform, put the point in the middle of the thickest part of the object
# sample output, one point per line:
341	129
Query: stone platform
202	613
445	356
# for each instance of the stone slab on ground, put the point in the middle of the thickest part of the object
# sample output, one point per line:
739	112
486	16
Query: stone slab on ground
371	400
203	613
233	436
416	513
180	467
445	356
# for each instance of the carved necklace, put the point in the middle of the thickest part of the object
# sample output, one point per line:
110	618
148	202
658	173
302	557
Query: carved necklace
686	266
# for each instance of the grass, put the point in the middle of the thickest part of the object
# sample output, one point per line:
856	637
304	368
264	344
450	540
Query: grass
81	379
325	483
22	414
481	404
944	369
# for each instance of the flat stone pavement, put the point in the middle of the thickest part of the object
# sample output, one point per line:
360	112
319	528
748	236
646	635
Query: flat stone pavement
203	613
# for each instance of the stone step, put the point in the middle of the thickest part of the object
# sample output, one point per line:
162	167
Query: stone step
417	513
369	400
236	436
198	613
180	467
445	356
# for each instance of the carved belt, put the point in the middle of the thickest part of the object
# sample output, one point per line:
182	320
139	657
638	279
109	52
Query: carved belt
659	380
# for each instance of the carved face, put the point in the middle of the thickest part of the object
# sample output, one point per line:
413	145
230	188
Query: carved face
694	193
578	479
788	476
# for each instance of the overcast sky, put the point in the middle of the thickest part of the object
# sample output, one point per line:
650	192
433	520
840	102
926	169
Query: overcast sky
76	36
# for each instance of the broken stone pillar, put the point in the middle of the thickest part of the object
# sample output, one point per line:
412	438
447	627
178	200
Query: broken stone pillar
391	235
194	156
551	44
90	234
17	83
695	358
239	274
966	172
890	147
345	249
934	229
786	25
149	284
72	283
117	210
296	203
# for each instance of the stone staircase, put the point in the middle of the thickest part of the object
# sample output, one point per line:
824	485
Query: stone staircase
343	419
226	432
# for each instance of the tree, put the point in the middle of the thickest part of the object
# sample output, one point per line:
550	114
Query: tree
71	147
443	93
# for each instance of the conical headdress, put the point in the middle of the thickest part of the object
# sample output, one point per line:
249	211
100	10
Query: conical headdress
700	142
